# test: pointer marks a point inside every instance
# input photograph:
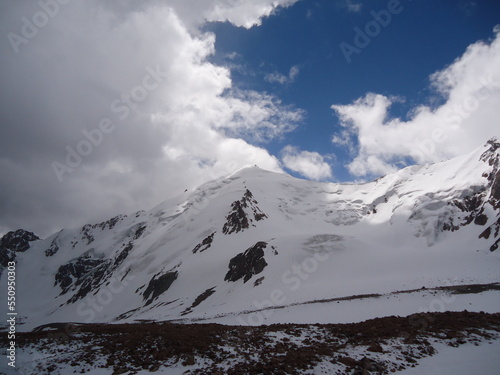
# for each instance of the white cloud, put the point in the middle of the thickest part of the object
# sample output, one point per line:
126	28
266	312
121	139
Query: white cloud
309	164
193	13
244	13
191	127
258	116
467	118
277	77
293	73
353	7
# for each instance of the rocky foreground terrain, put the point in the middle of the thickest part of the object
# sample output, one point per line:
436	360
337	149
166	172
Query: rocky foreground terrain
377	346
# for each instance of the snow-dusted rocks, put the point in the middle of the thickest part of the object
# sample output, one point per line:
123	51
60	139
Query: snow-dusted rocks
13	243
241	214
18	241
205	244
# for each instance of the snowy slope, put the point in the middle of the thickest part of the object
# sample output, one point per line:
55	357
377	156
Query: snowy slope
258	240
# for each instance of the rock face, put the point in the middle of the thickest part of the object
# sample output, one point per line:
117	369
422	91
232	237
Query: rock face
238	219
492	158
88	272
72	272
18	241
83	274
202	297
205	244
123	255
12	243
54	247
494	199
245	265
159	284
473	207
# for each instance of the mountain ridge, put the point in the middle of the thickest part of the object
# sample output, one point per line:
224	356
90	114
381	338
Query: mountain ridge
260	238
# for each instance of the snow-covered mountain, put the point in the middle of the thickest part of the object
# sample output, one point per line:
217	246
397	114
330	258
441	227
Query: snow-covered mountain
262	247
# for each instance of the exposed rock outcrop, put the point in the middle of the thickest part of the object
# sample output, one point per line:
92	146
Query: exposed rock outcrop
205	244
18	241
159	284
75	272
238	219
473	207
14	242
247	264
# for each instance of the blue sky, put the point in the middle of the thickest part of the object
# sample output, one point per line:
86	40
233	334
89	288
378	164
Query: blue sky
423	37
111	107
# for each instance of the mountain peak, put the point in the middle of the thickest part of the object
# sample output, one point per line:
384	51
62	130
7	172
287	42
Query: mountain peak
251	170
12	243
493	140
492	153
18	240
225	248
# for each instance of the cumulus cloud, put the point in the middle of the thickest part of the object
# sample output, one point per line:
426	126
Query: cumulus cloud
119	101
467	118
244	13
241	13
277	77
309	164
